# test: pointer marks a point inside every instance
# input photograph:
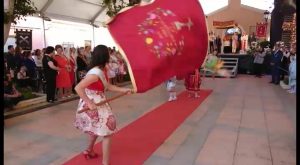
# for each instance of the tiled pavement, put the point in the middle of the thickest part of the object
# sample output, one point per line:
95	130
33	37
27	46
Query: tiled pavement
245	121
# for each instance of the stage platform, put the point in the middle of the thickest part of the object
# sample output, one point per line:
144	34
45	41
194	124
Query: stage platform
245	64
232	55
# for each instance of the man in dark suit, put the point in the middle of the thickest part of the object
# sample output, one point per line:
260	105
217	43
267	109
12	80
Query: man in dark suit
219	44
9	57
275	63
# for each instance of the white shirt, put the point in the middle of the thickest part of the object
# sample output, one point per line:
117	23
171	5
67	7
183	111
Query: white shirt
286	54
38	61
226	43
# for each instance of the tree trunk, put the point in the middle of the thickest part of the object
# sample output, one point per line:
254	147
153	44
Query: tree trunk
8	6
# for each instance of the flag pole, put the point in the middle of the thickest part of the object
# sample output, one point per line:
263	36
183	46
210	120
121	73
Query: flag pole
103	102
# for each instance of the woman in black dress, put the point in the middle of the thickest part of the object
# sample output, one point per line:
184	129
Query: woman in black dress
50	72
82	63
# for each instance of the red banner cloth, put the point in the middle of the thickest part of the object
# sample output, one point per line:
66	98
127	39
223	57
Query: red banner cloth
223	24
161	40
261	29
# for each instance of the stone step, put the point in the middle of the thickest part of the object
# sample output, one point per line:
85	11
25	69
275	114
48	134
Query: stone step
36	104
209	74
230	62
24	110
231	59
228	66
35	107
29	102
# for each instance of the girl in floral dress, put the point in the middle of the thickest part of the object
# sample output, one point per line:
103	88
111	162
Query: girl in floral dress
98	120
192	83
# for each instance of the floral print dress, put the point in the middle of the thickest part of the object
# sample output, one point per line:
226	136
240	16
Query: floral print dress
102	121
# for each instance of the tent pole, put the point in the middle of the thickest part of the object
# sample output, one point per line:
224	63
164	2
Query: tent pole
44	33
93	36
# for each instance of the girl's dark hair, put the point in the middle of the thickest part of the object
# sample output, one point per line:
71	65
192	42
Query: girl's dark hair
58	46
100	56
36	51
49	50
26	53
78	51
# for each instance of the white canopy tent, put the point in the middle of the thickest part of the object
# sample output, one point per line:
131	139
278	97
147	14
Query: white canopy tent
83	17
83	11
68	21
91	11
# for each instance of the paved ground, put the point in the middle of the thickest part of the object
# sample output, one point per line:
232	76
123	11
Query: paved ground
245	121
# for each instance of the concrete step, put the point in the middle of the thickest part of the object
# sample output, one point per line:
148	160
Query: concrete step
230	62
29	102
209	74
23	110
228	67
35	107
229	58
39	103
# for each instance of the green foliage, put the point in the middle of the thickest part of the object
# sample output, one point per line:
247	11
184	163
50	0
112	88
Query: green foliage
27	93
22	8
114	8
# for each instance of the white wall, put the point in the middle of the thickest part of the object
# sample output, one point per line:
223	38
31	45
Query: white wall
102	36
58	32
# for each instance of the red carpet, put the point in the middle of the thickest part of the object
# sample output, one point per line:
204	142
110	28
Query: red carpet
135	143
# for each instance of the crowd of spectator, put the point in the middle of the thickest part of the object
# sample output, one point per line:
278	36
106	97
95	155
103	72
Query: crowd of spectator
31	69
283	64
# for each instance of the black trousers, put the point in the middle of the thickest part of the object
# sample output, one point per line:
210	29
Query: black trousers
227	49
275	74
219	48
282	72
257	69
50	87
211	46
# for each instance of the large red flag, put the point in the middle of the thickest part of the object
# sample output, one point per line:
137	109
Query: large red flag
161	40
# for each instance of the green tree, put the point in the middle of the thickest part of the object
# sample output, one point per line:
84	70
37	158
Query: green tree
114	6
15	10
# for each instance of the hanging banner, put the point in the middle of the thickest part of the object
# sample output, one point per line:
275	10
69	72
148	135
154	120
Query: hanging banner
164	39
24	39
223	24
261	30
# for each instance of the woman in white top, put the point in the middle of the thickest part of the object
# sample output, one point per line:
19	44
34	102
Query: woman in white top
38	58
258	61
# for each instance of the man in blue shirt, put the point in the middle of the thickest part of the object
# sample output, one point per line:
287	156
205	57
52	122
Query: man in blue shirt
275	63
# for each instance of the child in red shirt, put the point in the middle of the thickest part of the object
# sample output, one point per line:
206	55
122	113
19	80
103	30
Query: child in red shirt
192	83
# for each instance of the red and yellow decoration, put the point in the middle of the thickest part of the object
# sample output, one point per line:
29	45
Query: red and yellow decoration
224	24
